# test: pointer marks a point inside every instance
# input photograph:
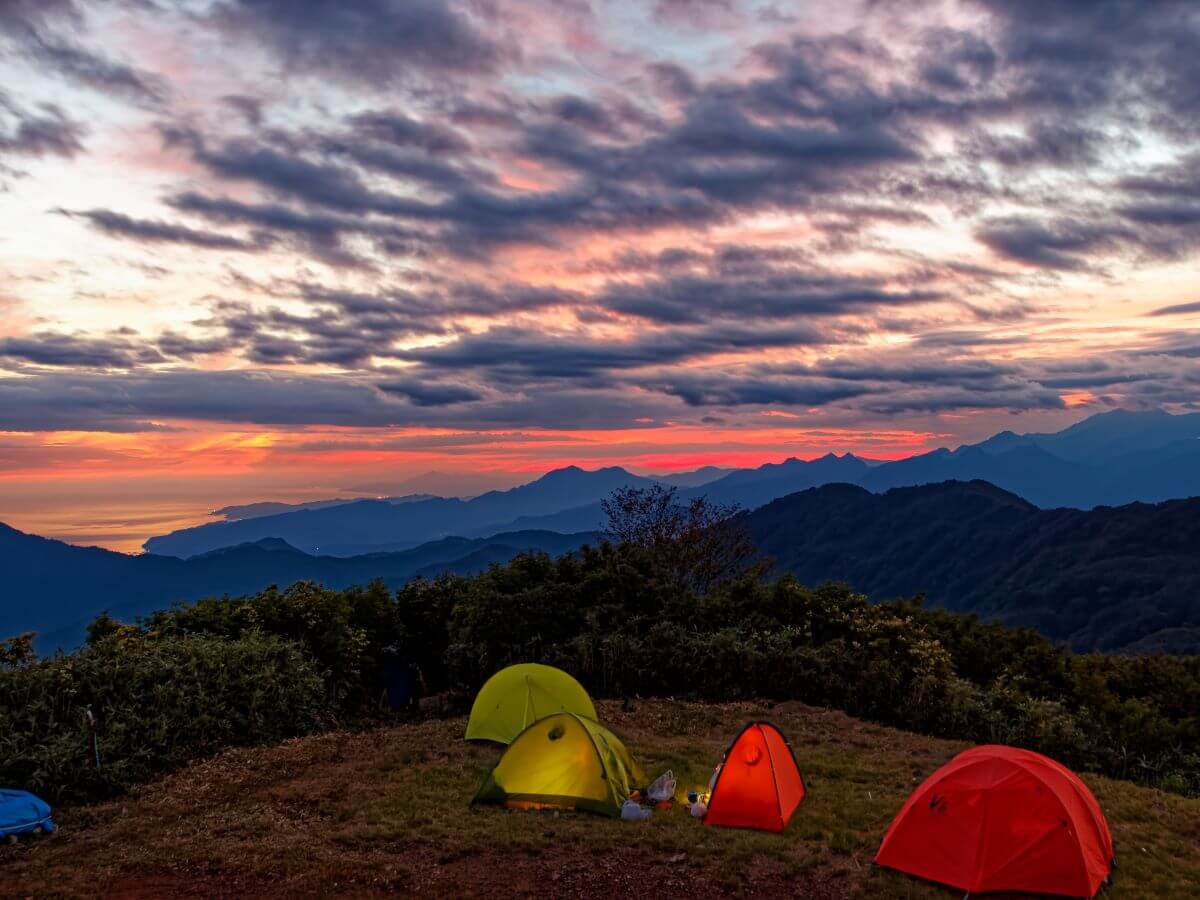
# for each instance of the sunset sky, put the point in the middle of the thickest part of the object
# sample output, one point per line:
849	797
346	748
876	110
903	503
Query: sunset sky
291	249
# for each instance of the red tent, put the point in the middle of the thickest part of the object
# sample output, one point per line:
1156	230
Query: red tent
1002	819
759	783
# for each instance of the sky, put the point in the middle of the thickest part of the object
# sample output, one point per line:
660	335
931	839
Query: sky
292	249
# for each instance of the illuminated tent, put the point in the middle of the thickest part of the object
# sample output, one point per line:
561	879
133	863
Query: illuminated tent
516	697
1002	819
759	784
563	761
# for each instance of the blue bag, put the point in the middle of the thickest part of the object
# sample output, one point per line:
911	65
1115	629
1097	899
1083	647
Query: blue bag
23	813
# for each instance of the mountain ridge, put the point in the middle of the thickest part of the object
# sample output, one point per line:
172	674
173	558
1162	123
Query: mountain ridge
1102	579
68	586
1108	459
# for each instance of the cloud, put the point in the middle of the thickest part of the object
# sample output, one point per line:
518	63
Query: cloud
64	350
108	76
368	42
1056	244
249	108
496	215
139	400
512	353
1178	309
47	132
768	293
157	231
426	393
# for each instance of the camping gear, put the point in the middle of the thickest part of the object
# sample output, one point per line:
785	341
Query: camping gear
1002	819
758	783
662	788
632	811
516	697
23	813
564	761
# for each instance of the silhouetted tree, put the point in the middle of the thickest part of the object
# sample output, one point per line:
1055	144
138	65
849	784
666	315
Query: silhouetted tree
699	544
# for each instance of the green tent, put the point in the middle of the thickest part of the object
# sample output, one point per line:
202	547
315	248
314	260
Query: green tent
516	697
563	761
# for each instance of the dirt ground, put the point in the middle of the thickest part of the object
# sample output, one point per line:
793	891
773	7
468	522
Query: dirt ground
386	812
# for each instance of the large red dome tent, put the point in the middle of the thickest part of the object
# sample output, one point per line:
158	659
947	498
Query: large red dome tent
759	784
1002	819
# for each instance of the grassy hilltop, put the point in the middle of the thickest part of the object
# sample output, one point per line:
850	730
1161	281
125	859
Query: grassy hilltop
386	811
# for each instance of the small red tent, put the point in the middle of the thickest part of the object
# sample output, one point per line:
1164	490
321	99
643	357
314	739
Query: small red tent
759	784
1002	819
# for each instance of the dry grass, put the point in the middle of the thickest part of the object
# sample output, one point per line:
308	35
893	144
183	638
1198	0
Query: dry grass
386	811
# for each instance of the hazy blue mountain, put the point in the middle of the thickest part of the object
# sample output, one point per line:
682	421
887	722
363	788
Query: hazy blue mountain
1108	459
364	526
1105	579
750	488
589	517
56	589
270	508
747	488
695	478
1105	437
1036	475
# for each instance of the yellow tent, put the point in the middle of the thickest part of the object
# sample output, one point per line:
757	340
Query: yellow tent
563	761
516	697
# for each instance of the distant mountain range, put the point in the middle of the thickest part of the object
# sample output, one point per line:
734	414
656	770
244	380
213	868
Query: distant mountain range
1019	537
254	510
56	588
1124	578
1108	459
1104	579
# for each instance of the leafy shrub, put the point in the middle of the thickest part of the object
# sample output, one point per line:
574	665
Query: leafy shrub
345	633
222	671
157	702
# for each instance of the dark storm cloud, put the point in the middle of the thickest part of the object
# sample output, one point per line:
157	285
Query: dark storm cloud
428	393
156	231
47	132
435	304
283	173
249	108
17	16
36	28
133	401
349	328
1044	143
396	128
766	294
518	353
955	398
672	79
716	389
954	60
64	350
714	161
371	42
126	402
1056	244
1121	57
1178	309
1177	180
93	70
322	234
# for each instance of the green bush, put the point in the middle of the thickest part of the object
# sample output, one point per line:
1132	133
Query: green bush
225	671
157	703
345	633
